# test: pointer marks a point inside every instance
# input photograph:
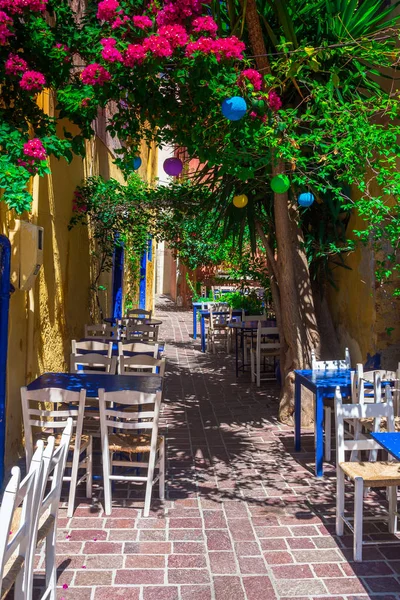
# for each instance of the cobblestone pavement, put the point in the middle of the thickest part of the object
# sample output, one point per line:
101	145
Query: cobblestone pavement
245	518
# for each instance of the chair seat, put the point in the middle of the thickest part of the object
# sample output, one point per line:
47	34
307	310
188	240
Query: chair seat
125	442
374	474
43	435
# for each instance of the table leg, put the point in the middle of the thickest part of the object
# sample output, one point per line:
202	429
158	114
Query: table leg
319	433
194	322
237	352
297	415
203	333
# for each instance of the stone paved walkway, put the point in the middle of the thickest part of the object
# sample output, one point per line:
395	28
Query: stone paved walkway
244	519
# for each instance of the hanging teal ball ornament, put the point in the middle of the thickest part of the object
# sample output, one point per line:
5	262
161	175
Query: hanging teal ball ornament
137	161
280	183
306	199
234	108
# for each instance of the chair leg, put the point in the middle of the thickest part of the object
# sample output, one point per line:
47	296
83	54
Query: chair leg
73	483
392	509
107	481
149	487
328	433
358	518
89	468
50	564
258	370
161	466
252	370
339	501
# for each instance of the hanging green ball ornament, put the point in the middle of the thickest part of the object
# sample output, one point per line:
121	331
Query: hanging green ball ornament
280	183
240	201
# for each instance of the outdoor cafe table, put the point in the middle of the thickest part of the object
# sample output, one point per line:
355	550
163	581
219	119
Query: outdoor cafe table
201	305
205	314
323	385
390	441
74	382
246	327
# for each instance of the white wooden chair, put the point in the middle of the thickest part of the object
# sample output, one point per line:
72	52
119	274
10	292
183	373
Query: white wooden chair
264	348
123	428
218	327
38	414
138	348
18	519
93	363
142	364
142	333
248	335
364	474
139	313
48	507
91	346
101	331
329	365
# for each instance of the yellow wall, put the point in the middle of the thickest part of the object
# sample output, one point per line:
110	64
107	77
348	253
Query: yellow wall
44	320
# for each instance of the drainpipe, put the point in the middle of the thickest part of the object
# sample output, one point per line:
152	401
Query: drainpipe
5	290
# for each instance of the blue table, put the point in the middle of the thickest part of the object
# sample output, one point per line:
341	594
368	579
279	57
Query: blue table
205	314
389	441
201	304
92	383
323	384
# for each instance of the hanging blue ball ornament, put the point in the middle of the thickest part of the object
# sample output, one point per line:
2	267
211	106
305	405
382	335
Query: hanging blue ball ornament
234	108
306	199
137	161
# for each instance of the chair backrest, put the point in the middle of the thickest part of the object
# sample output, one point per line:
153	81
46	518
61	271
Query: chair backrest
267	337
38	412
142	364
138	348
378	377
248	318
356	412
93	363
139	312
114	418
141	332
17	527
219	319
331	365
91	346
100	331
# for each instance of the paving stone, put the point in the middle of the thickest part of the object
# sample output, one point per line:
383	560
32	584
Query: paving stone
228	588
139	576
222	562
108	593
161	593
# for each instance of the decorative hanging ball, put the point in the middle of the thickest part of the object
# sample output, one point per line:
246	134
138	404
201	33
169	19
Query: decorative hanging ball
234	108
280	183
137	161
240	201
306	199
173	166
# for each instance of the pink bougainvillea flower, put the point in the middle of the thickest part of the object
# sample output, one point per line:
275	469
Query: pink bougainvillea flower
67	537
178	11
119	21
95	74
205	25
175	34
84	103
229	47
107	10
110	52
18	6
35	149
5	32
32	81
275	103
83	566
62	47
142	21
15	65
251	76
204	45
158	45
134	55
65	586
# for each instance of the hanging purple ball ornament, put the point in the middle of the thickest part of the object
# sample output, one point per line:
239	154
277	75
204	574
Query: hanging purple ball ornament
173	166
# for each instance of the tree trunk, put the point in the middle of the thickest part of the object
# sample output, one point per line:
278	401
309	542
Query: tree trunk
291	284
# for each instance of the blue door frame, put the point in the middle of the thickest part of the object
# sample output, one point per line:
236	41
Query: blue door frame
118	280
5	289
142	282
